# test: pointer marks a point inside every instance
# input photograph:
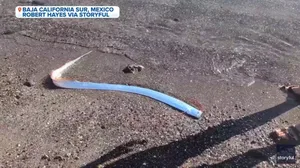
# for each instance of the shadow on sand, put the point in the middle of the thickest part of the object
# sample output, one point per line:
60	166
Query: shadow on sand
249	159
176	153
48	83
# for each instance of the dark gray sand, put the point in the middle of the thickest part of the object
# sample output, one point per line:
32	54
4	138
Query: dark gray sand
229	55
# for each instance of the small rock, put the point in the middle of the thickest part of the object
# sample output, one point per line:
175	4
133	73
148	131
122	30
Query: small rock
28	84
100	166
133	68
59	158
44	157
176	20
32	2
68	154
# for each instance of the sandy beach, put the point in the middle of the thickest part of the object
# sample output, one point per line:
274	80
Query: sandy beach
230	56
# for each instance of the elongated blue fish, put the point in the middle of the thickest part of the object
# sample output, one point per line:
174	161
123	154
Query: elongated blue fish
56	76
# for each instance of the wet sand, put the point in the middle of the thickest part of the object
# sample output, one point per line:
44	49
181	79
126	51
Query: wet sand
230	56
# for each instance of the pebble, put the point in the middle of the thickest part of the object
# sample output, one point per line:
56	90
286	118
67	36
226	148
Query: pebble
28	84
33	2
44	157
59	158
68	154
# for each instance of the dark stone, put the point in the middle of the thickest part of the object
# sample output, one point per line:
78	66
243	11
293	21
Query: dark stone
44	157
27	83
59	158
